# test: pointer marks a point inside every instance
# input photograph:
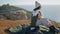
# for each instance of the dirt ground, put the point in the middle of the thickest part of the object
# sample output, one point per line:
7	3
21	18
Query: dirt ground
4	24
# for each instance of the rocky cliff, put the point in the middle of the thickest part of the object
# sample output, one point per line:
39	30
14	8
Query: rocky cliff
13	13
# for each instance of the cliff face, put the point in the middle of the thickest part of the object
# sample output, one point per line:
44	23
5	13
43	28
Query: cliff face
55	23
14	13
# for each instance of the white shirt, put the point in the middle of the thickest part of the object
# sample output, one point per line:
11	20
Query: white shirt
43	21
35	12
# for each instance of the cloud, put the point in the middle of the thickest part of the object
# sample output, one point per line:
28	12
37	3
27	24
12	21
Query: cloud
50	2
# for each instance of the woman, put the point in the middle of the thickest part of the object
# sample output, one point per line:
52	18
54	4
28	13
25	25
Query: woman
45	22
42	21
37	18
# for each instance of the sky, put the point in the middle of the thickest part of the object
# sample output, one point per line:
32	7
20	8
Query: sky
30	2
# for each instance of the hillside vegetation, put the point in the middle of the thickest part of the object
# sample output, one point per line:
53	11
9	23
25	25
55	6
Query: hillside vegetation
4	9
4	24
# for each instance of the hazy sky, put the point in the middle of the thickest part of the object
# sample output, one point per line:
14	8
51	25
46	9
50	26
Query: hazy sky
30	2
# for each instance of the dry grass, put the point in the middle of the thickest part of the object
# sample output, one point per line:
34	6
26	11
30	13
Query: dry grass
10	23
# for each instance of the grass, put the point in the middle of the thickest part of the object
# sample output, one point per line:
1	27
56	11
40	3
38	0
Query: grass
4	24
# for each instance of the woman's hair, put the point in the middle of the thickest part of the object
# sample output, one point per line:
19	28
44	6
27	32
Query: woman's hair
39	15
39	7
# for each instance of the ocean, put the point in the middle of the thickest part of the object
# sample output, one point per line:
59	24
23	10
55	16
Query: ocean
48	11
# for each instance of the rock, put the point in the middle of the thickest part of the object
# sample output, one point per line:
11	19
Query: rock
16	15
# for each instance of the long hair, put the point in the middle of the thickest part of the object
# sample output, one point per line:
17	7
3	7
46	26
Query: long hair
39	7
40	13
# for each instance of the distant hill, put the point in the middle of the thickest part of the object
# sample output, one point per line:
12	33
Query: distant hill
8	9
